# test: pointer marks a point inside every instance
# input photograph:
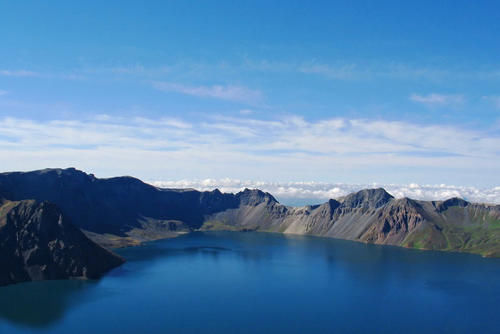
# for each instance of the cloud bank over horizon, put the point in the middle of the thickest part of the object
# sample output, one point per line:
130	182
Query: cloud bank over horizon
280	149
302	193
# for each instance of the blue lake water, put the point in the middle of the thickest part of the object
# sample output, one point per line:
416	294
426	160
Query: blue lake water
266	283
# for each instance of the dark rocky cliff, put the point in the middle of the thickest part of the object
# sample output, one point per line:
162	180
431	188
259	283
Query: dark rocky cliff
115	205
38	243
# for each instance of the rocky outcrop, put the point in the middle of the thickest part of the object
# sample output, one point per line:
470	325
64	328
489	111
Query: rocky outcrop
38	243
367	198
394	222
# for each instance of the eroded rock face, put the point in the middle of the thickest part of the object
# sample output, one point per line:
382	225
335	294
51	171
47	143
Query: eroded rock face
395	222
38	243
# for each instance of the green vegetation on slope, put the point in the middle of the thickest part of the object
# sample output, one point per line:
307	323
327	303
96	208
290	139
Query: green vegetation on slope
461	230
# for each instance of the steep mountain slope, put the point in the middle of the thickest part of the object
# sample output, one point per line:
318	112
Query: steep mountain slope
374	216
38	243
122	211
458	225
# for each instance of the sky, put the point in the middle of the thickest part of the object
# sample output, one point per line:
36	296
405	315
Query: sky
332	92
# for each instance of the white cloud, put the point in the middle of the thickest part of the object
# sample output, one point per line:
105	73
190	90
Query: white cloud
74	75
438	99
246	111
363	71
335	71
343	72
229	93
18	73
290	148
316	192
162	122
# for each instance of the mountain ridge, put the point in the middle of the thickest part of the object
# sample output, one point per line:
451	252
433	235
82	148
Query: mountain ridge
124	211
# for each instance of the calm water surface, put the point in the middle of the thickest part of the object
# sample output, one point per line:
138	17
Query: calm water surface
266	283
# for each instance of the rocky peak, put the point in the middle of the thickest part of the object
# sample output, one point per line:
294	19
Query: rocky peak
254	197
333	204
215	200
367	198
64	173
454	201
405	202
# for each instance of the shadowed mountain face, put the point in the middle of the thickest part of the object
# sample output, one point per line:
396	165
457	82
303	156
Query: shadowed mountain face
115	205
38	243
125	208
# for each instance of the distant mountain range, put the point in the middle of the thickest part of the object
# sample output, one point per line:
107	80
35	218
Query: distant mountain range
124	211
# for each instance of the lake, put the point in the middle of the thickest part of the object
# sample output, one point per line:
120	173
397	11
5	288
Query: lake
230	282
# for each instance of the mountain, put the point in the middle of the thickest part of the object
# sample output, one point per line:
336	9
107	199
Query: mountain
117	211
37	243
374	216
124	211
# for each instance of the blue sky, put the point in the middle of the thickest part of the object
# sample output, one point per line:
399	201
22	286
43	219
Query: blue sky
371	91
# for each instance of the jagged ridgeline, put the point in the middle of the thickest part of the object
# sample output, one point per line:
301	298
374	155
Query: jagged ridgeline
123	211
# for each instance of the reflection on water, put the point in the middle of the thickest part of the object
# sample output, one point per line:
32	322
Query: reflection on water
227	282
40	304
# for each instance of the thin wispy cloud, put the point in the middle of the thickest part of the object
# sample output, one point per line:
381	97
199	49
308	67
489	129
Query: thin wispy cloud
404	71
191	70
3	92
350	71
291	134
347	71
229	92
343	72
27	74
284	148
131	70
438	99
18	73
